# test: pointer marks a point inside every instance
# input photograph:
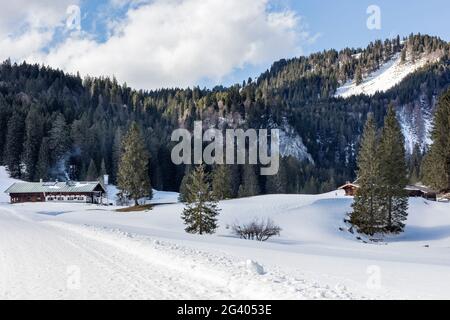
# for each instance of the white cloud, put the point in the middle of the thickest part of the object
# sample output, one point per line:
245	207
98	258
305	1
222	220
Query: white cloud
27	26
166	43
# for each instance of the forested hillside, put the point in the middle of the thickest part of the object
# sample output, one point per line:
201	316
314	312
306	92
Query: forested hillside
54	125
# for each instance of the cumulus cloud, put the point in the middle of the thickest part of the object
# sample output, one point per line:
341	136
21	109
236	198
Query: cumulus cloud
28	26
167	43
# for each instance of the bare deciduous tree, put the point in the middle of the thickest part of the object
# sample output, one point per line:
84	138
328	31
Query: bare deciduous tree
258	229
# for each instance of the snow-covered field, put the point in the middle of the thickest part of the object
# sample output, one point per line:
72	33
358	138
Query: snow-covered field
66	251
386	77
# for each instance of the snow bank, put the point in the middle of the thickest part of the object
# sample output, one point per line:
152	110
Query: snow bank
254	267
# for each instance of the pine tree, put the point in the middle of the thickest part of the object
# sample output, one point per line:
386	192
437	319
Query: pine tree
183	196
133	177
116	154
92	173
201	206
403	56
367	206
103	169
436	166
221	182
34	132
249	186
277	184
14	145
43	163
394	173
358	76
59	142
414	164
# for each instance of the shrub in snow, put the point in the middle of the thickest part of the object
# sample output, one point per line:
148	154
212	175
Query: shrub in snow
261	230
254	267
122	200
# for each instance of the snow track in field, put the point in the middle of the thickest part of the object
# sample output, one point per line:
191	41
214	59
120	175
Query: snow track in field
41	260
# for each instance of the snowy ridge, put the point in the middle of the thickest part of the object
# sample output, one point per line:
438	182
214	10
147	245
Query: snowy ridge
387	76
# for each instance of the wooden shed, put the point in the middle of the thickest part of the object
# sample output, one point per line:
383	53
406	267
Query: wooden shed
415	191
350	189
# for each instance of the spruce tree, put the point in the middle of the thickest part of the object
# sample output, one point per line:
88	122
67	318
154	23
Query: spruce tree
34	132
183	196
14	145
358	76
414	164
249	186
59	142
277	184
116	154
201	208
394	173
102	169
92	173
133	175
436	166
403	56
367	206
43	163
221	182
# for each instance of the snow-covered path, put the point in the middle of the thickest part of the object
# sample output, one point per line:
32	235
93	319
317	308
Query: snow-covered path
54	260
38	260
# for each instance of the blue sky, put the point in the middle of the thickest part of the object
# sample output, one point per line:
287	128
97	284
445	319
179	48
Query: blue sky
342	23
166	43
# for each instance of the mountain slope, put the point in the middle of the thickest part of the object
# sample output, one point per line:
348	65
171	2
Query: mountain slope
387	76
320	132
